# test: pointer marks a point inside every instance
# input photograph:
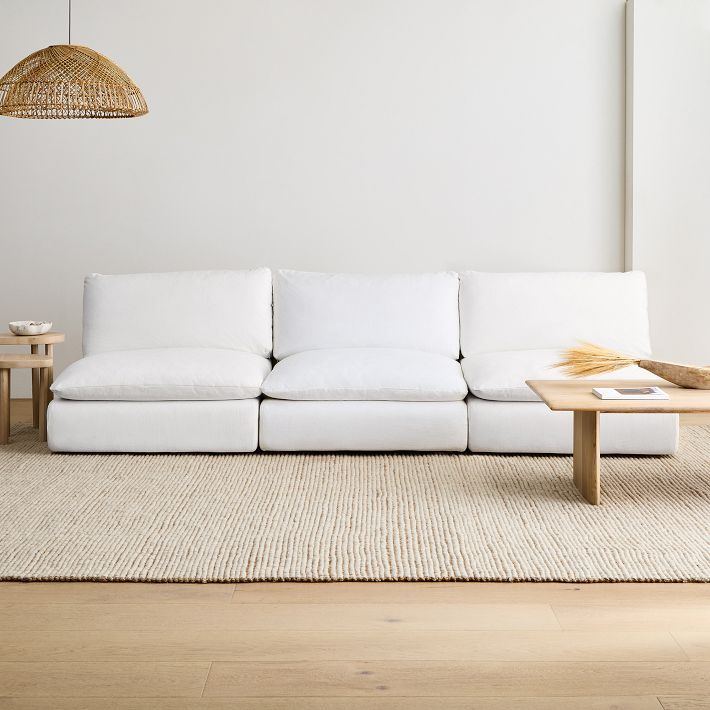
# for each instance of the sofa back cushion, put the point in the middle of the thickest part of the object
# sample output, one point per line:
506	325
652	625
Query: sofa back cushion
314	311
533	311
210	309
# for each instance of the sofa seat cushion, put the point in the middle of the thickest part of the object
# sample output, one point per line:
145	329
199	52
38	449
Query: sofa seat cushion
367	374
164	374
362	426
533	428
501	376
153	427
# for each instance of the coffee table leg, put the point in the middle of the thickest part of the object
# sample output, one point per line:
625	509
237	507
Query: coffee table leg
586	455
49	350
34	349
4	406
43	402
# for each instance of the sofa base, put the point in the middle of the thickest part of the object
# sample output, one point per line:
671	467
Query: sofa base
532	428
143	427
362	426
282	425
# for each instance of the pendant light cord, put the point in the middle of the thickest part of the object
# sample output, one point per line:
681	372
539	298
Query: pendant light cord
69	21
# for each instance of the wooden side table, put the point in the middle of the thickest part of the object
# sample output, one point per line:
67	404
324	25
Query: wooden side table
41	394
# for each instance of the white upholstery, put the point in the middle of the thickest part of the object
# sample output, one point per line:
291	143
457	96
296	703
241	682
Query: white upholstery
535	311
164	374
367	374
209	309
315	311
153	426
373	360
362	426
501	375
530	427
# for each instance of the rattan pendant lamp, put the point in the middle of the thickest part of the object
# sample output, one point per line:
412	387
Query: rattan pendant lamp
69	81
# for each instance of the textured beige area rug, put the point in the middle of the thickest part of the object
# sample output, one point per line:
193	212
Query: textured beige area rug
350	517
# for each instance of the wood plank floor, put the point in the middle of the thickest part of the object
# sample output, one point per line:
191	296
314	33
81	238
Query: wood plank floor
374	646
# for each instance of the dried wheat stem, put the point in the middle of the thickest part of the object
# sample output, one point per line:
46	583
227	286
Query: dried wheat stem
589	359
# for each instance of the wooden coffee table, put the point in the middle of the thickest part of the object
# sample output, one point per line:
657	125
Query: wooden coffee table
576	396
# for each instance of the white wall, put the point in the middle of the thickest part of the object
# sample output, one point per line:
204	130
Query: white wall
350	135
669	170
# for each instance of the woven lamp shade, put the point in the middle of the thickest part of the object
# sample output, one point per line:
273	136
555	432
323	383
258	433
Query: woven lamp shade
69	81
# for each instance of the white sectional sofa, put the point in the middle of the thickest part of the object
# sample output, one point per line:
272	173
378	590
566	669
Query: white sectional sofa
182	362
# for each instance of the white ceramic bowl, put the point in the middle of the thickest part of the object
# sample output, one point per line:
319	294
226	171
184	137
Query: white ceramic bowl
30	327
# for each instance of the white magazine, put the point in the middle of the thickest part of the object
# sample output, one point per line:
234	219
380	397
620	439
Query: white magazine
630	393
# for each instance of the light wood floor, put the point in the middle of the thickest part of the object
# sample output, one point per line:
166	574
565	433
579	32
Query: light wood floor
379	646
